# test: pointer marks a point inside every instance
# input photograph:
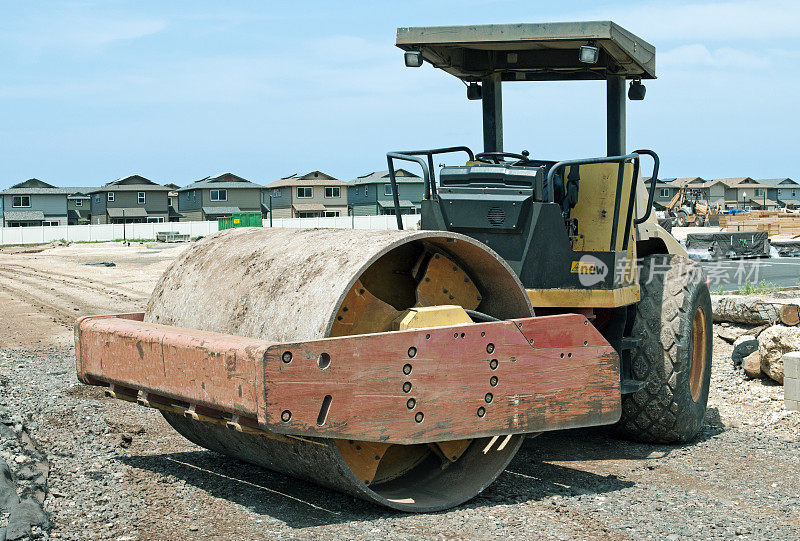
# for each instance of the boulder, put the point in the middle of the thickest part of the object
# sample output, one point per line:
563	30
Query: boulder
773	343
752	365
8	489
729	333
742	347
22	516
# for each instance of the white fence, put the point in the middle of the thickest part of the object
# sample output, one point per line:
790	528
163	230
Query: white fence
107	232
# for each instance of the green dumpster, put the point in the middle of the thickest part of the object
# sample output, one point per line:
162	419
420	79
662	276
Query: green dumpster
240	219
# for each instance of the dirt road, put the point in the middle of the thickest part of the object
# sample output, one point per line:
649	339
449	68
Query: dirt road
44	292
117	471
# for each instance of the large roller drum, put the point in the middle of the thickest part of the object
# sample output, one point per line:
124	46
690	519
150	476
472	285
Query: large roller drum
288	285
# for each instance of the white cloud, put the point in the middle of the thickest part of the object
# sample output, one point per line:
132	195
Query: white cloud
711	21
698	55
75	34
91	33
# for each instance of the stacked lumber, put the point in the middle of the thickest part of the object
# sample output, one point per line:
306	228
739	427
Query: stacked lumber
774	223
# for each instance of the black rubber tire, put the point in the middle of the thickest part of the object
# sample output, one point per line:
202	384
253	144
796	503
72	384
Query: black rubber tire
681	219
664	410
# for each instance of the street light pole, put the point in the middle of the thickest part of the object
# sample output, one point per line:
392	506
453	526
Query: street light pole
270	211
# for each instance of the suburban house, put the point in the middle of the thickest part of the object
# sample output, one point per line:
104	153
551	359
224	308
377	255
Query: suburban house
371	194
130	199
666	189
305	196
783	190
79	203
217	196
34	203
740	192
172	202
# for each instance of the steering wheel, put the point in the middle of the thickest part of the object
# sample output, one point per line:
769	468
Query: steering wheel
497	157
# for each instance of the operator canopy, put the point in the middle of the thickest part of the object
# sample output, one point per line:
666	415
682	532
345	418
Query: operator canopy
534	51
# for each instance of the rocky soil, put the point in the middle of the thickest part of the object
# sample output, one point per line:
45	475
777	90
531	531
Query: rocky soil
108	469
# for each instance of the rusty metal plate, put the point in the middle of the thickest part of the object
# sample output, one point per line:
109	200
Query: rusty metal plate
444	383
214	370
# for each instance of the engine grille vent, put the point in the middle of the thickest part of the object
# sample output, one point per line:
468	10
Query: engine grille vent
496	216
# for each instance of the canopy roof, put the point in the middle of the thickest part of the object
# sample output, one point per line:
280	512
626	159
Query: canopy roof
218	211
404	203
24	215
132	212
532	51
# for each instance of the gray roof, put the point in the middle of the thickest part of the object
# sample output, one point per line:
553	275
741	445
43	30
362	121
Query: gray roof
132	212
663	182
314	178
224	181
79	190
774	182
23	215
404	203
382	177
34	191
131	183
221	210
531	51
33	186
789	200
77	214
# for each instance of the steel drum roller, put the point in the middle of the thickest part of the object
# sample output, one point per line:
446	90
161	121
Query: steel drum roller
302	284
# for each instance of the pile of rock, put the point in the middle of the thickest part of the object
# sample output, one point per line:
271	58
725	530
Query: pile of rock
22	490
760	351
766	331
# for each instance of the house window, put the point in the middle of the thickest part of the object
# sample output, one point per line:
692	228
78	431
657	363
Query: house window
387	189
97	198
169	201
140	198
305	192
332	213
779	192
78	202
759	192
664	192
21	201
155	220
332	191
110	196
305	215
49	223
276	192
793	194
219	195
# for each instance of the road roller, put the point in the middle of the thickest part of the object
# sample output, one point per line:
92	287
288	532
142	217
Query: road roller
406	367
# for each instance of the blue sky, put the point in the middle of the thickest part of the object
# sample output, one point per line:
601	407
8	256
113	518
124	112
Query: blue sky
176	91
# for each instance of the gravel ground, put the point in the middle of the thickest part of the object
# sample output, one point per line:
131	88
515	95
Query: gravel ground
118	471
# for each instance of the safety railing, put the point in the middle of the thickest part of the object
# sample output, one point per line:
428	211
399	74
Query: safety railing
633	158
427	171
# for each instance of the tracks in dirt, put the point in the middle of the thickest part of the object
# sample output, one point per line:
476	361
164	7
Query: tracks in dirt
64	297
